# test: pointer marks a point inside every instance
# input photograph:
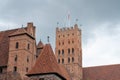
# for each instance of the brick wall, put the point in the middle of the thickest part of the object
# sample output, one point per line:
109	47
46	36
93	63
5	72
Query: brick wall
69	50
10	76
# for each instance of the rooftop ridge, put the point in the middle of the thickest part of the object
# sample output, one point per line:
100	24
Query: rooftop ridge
102	66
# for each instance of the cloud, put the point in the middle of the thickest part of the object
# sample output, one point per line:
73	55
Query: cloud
100	20
103	47
4	25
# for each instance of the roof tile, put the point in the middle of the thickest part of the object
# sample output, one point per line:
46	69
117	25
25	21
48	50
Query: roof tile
109	72
47	63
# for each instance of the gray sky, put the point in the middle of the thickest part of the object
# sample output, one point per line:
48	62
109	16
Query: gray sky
100	21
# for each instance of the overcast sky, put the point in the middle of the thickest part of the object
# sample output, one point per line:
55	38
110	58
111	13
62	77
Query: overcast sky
100	20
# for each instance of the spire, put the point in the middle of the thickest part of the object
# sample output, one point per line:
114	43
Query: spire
48	38
40	44
68	19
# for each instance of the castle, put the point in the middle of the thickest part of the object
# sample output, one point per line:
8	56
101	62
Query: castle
22	59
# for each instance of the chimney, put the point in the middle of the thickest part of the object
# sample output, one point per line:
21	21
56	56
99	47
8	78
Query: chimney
30	24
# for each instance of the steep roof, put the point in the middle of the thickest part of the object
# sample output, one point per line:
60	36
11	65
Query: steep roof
109	72
47	63
40	44
4	46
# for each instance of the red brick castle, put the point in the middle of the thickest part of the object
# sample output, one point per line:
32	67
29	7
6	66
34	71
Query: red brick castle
22	59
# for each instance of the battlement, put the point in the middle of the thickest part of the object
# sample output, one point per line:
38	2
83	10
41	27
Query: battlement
75	27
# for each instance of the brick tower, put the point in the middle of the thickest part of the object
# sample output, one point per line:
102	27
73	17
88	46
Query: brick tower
22	50
69	51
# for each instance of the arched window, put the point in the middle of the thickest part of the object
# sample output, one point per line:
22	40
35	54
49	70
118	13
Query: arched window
72	50
62	52
58	60
68	51
17	45
63	61
72	59
58	52
68	60
15	58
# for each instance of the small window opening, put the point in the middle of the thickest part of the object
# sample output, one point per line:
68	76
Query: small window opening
17	45
15	69
62	52
28	46
63	61
58	52
58	60
73	50
1	70
15	58
68	60
72	59
68	51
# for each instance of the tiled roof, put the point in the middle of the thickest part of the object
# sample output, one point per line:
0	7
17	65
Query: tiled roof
4	46
47	63
39	48
40	44
19	31
109	72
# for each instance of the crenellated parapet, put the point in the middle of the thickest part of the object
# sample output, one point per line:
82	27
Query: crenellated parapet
64	29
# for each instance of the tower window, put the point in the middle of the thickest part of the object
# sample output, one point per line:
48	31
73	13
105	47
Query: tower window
68	41
62	52
58	52
59	36
63	35
15	69
1	70
63	61
17	45
27	59
72	59
73	50
68	60
59	43
72	33
15	58
58	60
26	69
68	51
28	47
62	43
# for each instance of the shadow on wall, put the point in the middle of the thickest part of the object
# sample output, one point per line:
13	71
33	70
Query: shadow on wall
10	76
